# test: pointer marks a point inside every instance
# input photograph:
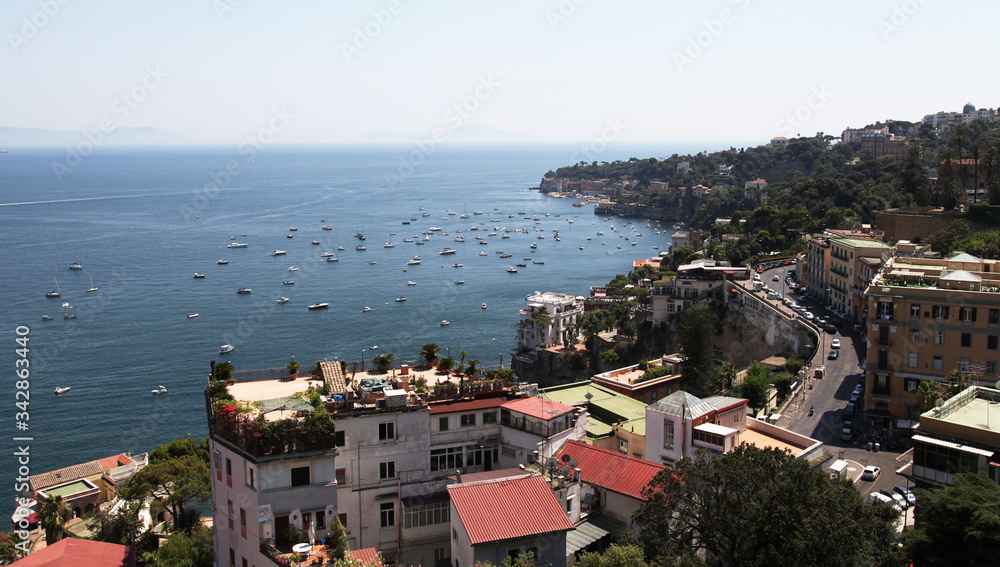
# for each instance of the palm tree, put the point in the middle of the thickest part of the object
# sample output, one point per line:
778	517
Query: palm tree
446	363
53	514
957	381
928	393
429	352
461	364
471	369
293	367
224	371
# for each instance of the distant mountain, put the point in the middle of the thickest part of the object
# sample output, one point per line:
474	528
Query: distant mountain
142	136
466	134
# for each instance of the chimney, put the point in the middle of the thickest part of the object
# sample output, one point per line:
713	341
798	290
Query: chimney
404	370
576	474
562	481
458	476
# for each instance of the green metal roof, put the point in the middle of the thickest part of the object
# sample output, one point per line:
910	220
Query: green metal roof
69	489
597	429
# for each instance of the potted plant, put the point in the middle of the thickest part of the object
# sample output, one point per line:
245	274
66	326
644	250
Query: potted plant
293	369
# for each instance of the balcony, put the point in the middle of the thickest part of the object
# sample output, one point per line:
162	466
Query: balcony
886	342
885	390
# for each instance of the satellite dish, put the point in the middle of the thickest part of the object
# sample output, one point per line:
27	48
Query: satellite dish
574	463
552	463
997	385
565	458
564	469
365	394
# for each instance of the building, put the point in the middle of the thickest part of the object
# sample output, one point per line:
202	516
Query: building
969	113
816	272
855	134
77	551
962	435
683	168
926	318
615	421
877	144
561	309
778	141
495	519
846	256
658	186
680	424
693	281
644	382
89	484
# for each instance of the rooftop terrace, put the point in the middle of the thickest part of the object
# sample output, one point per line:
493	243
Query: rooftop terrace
632	375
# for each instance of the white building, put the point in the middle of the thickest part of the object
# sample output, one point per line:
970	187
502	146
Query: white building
562	310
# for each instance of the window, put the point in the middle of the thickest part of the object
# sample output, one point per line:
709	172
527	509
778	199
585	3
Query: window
623	446
468	420
911	384
668	434
300	476
339	439
387	469
994	316
652	398
912	360
442	424
446	459
426	515
229	467
489	417
249	476
938	362
642	398
966	340
387	511
914	311
341	475
992	342
217	461
969	314
965	364
939	311
243	517
939	337
709	438
386	431
439	554
991	368
914	335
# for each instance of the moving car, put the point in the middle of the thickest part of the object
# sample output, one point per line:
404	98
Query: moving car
871	472
835	343
833	355
774	278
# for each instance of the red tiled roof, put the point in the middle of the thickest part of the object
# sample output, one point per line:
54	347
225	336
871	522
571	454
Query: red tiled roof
610	470
367	556
75	551
67	474
538	407
467	405
508	509
108	463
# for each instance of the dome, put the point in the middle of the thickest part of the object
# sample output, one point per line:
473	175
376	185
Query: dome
968	108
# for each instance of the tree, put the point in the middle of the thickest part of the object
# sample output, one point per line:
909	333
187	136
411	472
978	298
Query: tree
429	353
783	384
336	541
471	368
53	513
760	507
293	367
696	325
610	357
957	381
383	361
8	549
959	524
224	371
122	528
755	387
176	551
446	363
928	393
177	484
629	555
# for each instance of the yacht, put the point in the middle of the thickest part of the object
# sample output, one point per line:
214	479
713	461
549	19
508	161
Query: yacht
293	229
388	245
341	248
192	315
198	276
512	270
400	299
315	242
483	253
55	292
366	309
292	269
62	390
445	323
326	254
360	247
538	261
456	265
244	290
222	262
226	348
459	282
279	253
159	390
372	262
319	306
332	258
446	252
415	261
282	299
288	236
411	282
46	317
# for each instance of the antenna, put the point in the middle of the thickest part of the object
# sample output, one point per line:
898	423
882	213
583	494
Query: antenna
365	394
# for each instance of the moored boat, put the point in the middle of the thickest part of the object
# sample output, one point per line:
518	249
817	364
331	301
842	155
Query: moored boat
319	306
62	389
226	348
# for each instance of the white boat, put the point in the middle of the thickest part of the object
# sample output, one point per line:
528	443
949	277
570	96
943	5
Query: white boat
160	390
366	309
341	248
226	348
46	317
222	262
326	254
332	258
319	306
459	282
446	252
244	290
293	229
315	242
292	269
279	253
237	245
388	245
484	306
456	265
282	299
288	236
61	390
198	276
92	286
288	282
76	265
538	261
400	299
411	282
360	247
192	315
415	261
55	292
512	270
445	322
483	253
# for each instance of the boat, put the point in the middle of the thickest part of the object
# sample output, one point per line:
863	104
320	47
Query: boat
521	265
459	238
506	255
326	254
400	299
76	265
446	252
533	246
483	253
244	290
319	306
288	282
222	262
406	222
512	270
360	247
459	282
292	269
279	253
332	258
55	292
198	276
341	248
293	229
46	317
388	245
366	309
445	322
62	390
192	315
411	282
484	306
581	248
69	316
315	242
226	348
407	240
288	236
159	390
244	234
483	242
92	286
538	261
372	262
415	261
456	265
237	245
282	299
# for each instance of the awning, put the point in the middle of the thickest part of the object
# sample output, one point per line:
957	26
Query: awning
586	533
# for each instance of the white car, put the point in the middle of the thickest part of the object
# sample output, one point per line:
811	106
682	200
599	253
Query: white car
775	279
809	316
879	497
835	343
871	472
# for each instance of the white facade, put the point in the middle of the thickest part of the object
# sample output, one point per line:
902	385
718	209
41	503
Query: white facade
562	309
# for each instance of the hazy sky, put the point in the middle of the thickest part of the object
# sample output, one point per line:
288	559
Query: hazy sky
336	70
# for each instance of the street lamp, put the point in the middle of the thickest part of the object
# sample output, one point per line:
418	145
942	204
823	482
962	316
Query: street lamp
363	358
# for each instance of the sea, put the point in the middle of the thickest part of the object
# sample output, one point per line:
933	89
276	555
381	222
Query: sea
142	222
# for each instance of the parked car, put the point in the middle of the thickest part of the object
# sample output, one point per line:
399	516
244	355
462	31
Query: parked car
906	493
775	278
829	328
847	431
871	472
849	409
898	498
833	355
858	390
879	497
809	316
835	343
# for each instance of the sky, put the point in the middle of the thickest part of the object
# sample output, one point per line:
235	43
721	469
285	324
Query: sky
343	72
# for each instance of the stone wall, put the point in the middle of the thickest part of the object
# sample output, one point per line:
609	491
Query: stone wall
754	330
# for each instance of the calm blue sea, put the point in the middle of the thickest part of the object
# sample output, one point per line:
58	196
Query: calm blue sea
142	222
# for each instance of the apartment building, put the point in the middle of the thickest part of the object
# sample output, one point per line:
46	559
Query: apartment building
876	145
693	281
846	257
926	318
562	310
656	379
